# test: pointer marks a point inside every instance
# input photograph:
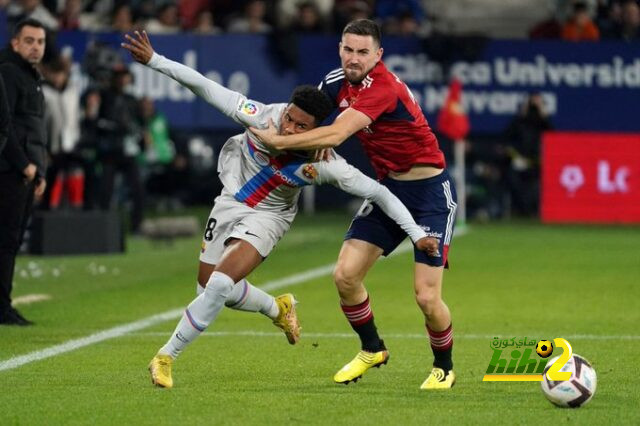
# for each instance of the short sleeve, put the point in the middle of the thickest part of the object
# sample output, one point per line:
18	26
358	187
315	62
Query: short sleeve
374	100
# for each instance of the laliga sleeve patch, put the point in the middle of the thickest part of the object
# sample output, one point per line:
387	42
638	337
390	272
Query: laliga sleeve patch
248	108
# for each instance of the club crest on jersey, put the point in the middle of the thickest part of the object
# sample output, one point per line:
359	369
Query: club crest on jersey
310	172
261	158
249	108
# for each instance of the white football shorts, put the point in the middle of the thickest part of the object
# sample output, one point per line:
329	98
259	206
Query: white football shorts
230	218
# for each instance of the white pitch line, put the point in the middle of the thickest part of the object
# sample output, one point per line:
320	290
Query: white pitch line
28	299
253	333
121	330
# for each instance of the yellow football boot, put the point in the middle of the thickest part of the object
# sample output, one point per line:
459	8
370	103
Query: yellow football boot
361	363
160	369
439	380
287	319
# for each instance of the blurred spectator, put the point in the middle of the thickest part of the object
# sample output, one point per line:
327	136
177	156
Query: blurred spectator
122	18
522	155
70	16
62	118
166	20
166	170
87	147
580	26
549	28
144	9
627	26
607	16
190	10
308	19
346	11
404	25
393	9
119	134
204	23
288	11
23	9
252	20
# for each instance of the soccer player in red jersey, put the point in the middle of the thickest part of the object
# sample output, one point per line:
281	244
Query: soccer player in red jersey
381	110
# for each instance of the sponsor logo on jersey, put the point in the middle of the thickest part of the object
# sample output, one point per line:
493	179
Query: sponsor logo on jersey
344	103
249	108
310	172
261	158
286	179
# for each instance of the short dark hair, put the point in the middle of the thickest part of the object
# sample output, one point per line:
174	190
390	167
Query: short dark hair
28	22
313	101
364	27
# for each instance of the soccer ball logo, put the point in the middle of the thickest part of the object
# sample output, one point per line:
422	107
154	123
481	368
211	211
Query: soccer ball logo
544	348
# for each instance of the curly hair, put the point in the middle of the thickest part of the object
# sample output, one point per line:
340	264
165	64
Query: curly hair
312	101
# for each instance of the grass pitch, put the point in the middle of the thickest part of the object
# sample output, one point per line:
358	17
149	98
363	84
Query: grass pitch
507	280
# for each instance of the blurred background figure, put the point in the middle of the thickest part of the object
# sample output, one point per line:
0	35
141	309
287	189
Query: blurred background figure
625	21
307	15
580	26
62	119
403	18
70	16
23	9
119	135
166	20
521	155
346	11
204	23
252	20
308	19
165	169
122	18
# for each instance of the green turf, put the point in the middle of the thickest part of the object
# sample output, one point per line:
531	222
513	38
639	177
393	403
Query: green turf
507	280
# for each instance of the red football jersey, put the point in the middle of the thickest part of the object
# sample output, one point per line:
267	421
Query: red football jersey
399	136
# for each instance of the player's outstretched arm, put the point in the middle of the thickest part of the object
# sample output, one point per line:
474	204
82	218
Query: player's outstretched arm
345	125
219	96
346	177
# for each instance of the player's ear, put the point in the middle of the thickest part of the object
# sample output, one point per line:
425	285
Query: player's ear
380	52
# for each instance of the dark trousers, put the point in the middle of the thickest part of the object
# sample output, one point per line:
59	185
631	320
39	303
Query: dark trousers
112	164
16	203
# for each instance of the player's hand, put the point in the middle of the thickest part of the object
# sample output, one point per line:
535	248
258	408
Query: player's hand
323	154
29	172
41	185
266	136
429	245
139	46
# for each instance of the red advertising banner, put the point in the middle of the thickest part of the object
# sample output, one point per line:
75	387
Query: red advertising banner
590	178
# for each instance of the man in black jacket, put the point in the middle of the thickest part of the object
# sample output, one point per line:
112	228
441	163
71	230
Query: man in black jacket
22	162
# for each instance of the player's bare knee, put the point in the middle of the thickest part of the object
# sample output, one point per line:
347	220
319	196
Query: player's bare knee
345	281
429	302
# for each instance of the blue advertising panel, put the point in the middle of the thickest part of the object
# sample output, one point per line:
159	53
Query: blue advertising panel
243	63
586	86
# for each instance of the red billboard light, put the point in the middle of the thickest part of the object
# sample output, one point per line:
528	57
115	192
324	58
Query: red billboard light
590	178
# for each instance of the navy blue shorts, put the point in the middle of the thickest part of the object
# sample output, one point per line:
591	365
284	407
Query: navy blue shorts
432	203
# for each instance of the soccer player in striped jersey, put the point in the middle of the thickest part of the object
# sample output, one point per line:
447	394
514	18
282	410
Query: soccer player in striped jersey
258	202
381	110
